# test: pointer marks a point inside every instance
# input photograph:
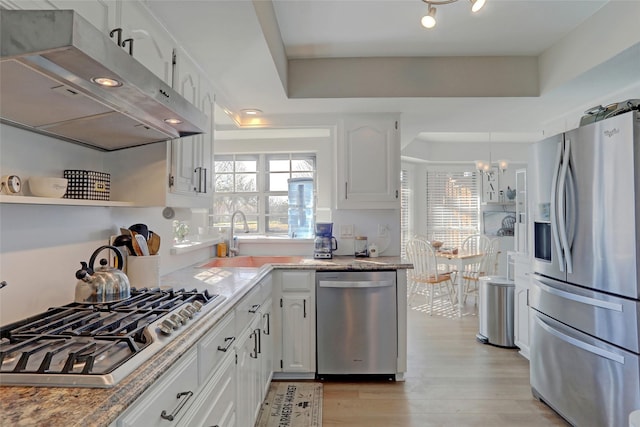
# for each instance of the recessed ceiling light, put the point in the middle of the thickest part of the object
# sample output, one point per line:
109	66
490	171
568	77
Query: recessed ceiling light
173	121
106	82
251	112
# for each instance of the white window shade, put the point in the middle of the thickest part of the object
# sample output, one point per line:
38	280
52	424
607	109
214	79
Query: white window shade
453	206
405	209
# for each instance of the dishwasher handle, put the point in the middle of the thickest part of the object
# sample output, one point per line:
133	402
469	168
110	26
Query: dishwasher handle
355	284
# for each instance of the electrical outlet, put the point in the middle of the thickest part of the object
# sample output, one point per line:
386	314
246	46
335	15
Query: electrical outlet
382	230
346	231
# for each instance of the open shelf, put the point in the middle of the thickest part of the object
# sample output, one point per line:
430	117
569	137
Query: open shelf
188	246
29	200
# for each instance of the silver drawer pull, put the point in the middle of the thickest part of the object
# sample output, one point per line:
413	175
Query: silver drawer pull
172	416
228	341
254	308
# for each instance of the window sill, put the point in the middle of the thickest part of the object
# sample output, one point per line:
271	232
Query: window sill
189	246
272	239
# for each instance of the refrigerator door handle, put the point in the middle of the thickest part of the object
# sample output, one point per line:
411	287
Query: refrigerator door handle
580	344
578	298
562	206
572	208
553	207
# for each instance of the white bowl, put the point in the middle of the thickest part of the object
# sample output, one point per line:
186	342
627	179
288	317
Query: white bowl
45	186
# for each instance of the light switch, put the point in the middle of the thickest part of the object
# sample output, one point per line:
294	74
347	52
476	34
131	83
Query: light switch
346	230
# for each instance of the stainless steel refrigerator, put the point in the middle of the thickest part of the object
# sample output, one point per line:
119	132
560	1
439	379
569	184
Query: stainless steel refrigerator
584	191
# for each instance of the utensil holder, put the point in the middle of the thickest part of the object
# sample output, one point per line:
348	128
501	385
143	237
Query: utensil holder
144	271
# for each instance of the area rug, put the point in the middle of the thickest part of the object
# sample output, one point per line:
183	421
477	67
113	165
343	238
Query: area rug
292	405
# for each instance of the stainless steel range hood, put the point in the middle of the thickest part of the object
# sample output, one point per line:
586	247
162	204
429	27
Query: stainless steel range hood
48	59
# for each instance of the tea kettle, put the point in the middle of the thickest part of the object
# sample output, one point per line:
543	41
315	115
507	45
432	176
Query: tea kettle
104	284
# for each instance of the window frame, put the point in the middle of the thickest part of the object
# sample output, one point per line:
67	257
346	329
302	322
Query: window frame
263	192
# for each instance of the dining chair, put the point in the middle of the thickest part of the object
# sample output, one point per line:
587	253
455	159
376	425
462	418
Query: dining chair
487	266
476	243
425	273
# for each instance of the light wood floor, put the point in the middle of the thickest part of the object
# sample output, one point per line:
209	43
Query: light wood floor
452	380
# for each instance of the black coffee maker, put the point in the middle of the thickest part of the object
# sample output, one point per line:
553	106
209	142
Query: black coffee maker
324	242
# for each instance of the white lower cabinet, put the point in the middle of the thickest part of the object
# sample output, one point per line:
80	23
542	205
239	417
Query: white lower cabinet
294	323
266	345
216	405
167	400
223	380
521	307
249	393
254	351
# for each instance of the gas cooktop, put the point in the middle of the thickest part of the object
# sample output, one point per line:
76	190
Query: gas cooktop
96	345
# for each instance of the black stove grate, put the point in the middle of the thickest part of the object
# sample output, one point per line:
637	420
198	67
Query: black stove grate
89	339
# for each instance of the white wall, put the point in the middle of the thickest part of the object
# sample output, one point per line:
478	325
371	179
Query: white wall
41	246
421	156
365	222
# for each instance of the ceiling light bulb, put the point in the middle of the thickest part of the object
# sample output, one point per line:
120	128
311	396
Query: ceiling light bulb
251	112
476	5
172	121
429	20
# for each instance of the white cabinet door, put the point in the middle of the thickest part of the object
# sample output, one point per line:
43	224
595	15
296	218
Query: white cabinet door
521	308
168	399
266	346
248	376
101	13
184	156
216	404
203	156
152	45
297	333
369	163
294	321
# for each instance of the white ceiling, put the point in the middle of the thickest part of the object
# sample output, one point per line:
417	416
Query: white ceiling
242	47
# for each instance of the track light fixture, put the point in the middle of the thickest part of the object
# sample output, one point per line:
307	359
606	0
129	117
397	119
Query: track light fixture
429	20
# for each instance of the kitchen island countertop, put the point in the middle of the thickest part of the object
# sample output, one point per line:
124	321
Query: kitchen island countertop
68	406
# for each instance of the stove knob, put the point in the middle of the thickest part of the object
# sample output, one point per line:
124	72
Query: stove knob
166	326
191	309
197	305
177	320
186	313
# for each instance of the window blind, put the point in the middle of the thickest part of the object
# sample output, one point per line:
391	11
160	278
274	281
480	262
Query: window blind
405	209
453	206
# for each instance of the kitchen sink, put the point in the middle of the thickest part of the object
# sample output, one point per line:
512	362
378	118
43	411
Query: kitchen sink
252	261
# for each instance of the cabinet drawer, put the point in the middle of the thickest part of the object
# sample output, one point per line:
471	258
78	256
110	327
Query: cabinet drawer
247	309
162	397
216	403
297	281
215	345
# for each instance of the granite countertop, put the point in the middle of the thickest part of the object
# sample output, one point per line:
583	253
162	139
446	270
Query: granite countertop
71	406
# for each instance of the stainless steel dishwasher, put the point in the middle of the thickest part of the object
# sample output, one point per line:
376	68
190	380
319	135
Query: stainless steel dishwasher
357	323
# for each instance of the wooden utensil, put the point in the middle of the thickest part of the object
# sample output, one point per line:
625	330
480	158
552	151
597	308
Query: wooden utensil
153	243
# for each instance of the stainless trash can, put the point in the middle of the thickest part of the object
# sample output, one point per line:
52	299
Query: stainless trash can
495	311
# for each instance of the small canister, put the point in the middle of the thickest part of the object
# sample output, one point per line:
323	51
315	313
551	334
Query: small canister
361	246
222	250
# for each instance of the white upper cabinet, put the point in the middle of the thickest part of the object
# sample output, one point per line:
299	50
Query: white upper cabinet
101	13
153	46
191	157
369	163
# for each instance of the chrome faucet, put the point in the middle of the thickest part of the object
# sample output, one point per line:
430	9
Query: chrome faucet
233	248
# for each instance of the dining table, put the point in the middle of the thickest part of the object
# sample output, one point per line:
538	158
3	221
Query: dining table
458	261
